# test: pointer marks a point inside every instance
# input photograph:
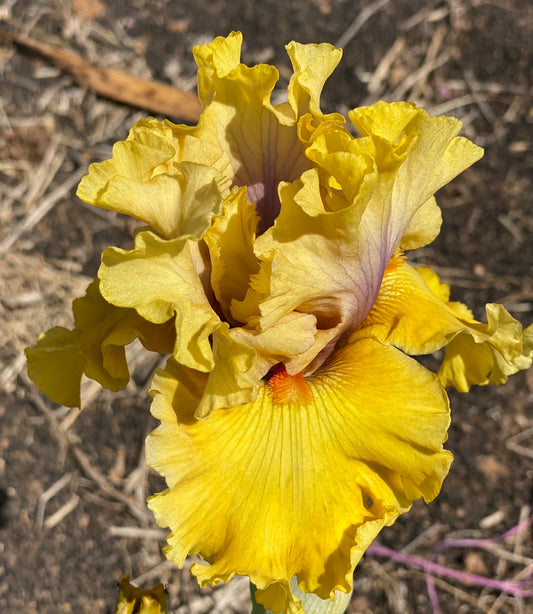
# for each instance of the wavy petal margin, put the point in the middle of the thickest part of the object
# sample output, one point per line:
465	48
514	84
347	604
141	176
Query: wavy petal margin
413	312
342	464
151	178
160	280
95	347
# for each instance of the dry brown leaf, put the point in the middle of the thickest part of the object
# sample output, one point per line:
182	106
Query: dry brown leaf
152	96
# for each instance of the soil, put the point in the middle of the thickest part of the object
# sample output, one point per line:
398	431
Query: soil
60	550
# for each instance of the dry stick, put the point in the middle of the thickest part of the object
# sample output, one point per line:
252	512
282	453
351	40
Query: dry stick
450	588
391	586
50	164
155	572
417	75
40	211
62	512
489	87
524	573
95	474
138	533
11	371
484	107
41	178
450	105
383	68
232	595
146	94
431	55
360	21
515	588
48	494
514	443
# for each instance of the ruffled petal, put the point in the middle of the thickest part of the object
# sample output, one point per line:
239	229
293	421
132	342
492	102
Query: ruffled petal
506	350
151	179
409	315
56	364
342	462
243	356
364	200
312	66
318	255
95	347
423	153
347	168
239	119
230	241
159	279
413	312
232	379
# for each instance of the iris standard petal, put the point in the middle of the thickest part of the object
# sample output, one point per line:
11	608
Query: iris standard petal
158	278
230	241
422	153
148	179
385	202
312	65
243	356
250	486
262	144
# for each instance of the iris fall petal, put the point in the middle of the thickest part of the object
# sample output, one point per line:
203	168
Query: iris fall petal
341	464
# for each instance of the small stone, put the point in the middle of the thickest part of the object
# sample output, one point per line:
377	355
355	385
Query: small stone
475	564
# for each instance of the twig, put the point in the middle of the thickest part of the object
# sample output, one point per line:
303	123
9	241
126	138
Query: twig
519	589
458	593
383	68
417	75
155	572
138	533
514	443
450	105
62	512
47	495
511	227
10	372
431	56
92	472
146	94
360	21
40	211
40	178
432	592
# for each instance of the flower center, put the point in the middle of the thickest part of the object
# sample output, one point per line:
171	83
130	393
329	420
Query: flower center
277	155
287	388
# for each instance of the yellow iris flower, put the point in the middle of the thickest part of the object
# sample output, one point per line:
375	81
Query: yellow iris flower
294	422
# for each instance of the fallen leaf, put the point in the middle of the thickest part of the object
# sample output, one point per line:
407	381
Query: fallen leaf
146	94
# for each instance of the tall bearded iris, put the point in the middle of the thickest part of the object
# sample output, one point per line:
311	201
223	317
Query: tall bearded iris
294	423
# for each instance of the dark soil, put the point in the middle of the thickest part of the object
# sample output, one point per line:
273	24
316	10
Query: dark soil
485	251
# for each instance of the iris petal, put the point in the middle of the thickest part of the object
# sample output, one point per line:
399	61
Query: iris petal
413	312
159	280
149	179
249	486
95	347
